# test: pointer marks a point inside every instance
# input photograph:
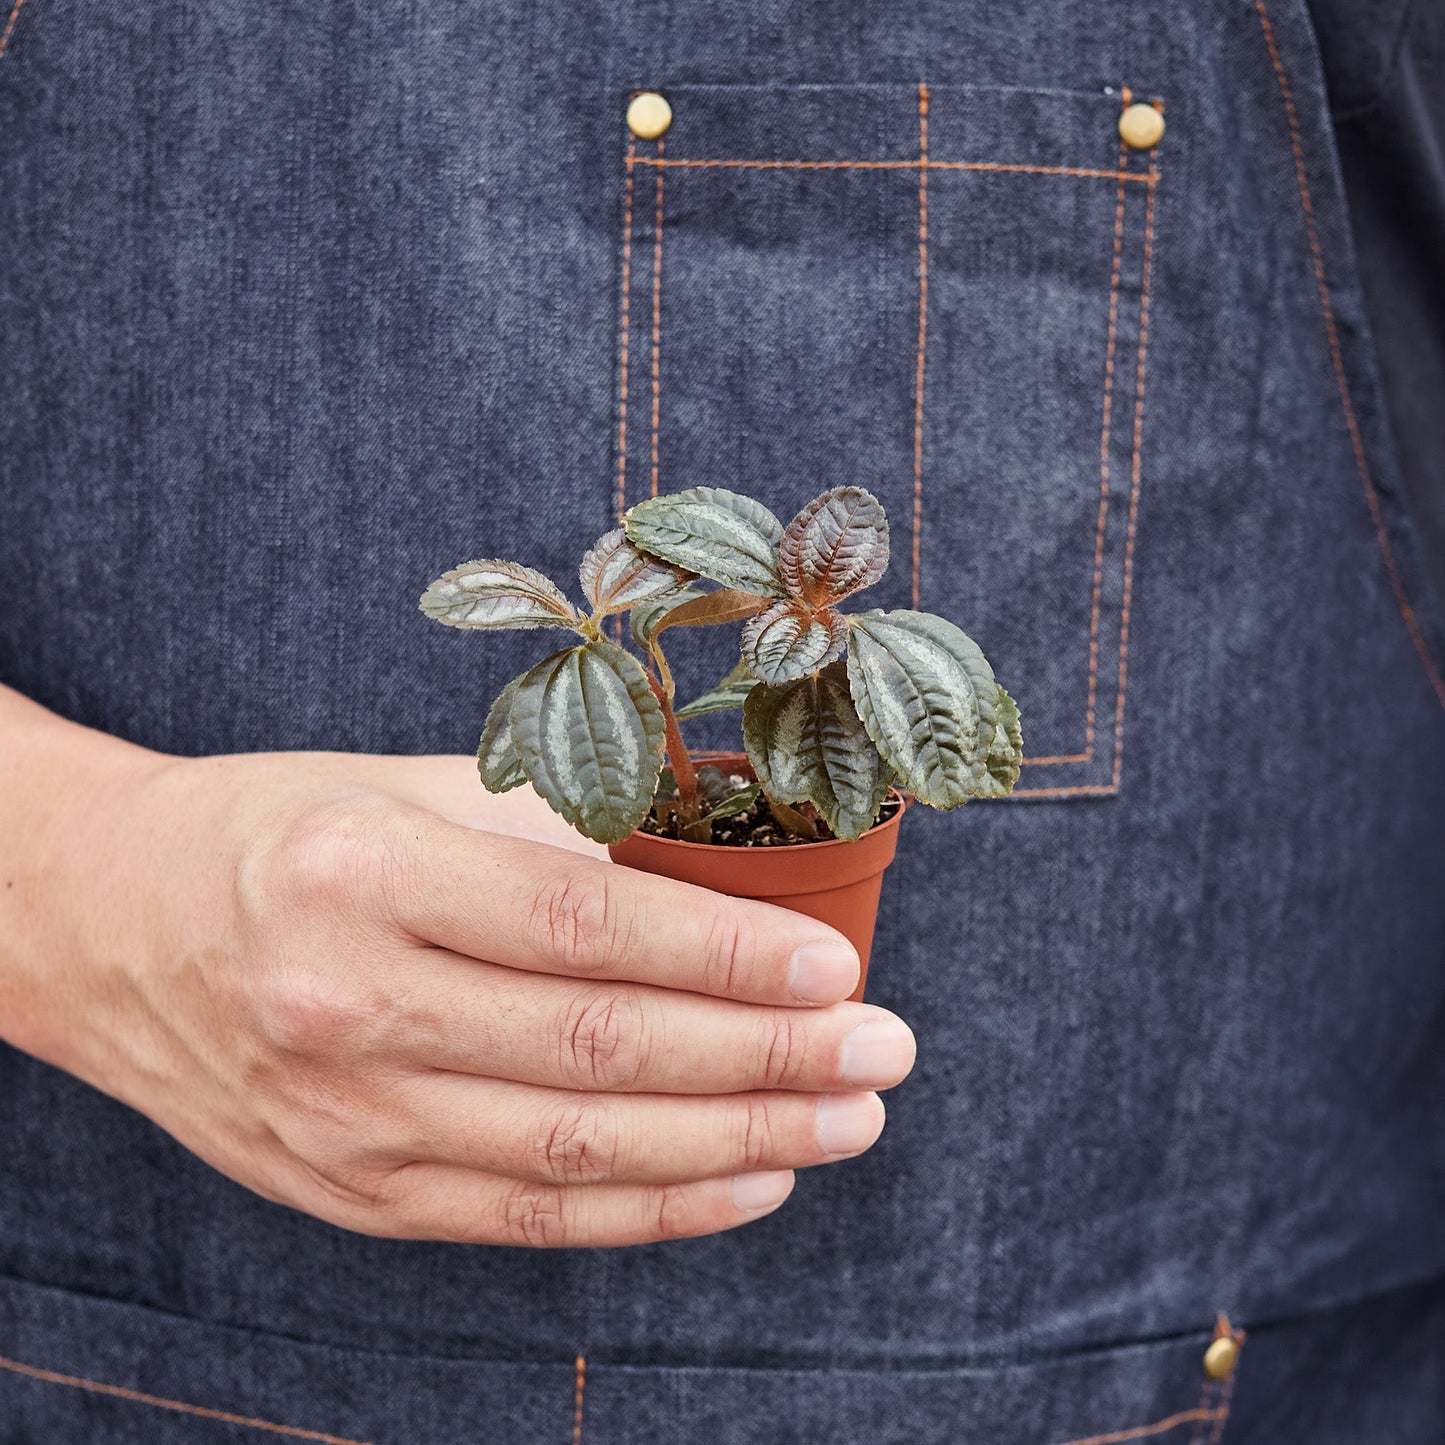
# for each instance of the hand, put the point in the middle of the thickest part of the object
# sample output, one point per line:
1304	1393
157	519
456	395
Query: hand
318	974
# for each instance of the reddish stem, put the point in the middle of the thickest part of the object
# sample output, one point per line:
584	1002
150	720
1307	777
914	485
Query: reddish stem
678	757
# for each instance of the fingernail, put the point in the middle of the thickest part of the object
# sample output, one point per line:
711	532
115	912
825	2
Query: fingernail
823	972
762	1191
877	1054
848	1123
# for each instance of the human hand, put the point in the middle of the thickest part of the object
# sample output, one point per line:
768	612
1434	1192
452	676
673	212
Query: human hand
322	977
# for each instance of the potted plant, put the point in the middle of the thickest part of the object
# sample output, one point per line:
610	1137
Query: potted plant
846	717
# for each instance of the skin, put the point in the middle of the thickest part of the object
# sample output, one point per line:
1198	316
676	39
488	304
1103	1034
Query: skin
363	987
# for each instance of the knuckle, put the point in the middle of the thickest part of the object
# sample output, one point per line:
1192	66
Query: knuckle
785	1051
727	950
675	1217
603	1039
316	1015
533	1215
578	911
576	1147
338	853
759	1138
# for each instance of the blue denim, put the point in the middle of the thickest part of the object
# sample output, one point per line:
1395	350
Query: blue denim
301	304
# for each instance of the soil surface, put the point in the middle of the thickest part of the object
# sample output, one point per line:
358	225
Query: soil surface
755	826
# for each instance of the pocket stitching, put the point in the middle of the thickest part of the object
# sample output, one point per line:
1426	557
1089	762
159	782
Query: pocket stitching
1123	176
10	27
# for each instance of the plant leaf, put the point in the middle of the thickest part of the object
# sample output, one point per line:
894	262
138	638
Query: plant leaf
1005	755
790	640
730	693
646	617
711	608
494	594
590	734
498	761
928	698
617	575
800	825
807	744
838	544
733	804
722	535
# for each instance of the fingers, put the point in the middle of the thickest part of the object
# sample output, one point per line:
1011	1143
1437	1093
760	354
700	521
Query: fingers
555	1136
477	1018
526	905
442	1201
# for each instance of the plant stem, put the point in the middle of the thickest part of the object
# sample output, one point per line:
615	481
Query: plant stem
678	758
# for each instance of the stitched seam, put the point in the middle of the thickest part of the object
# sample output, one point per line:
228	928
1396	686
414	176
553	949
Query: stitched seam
10	27
1136	471
657	323
1362	466
1081	790
908	165
1104	440
180	1407
577	1401
1142	1432
922	337
625	327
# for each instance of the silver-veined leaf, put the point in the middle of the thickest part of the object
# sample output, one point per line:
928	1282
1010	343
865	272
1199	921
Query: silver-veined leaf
730	693
497	758
494	594
645	617
719	534
807	744
617	575
1005	756
790	640
590	734
838	544
928	698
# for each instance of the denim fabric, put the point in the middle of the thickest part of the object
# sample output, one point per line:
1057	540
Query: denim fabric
302	303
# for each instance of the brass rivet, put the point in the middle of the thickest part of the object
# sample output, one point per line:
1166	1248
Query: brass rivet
648	115
1220	1357
1141	127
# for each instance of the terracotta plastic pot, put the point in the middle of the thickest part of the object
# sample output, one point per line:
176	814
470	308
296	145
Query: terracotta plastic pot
837	882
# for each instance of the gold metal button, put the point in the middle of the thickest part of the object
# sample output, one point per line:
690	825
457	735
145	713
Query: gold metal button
649	115
1220	1357
1140	127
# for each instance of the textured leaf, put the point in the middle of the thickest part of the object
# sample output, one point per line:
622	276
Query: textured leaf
1005	756
494	594
590	733
711	608
733	804
646	617
790	640
808	744
720	534
497	758
836	545
730	693
617	575
928	698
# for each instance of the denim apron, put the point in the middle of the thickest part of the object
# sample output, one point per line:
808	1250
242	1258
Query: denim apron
301	303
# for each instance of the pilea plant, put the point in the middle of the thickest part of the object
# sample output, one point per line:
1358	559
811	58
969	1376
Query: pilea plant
837	708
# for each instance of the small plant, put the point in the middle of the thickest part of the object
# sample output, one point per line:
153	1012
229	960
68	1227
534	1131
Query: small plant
837	708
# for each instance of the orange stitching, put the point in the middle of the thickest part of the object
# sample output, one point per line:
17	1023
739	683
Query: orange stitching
1142	1432
1134	481
1402	601
577	1406
179	1406
920	164
1104	439
1082	790
1059	758
922	335
1222	1419
626	327
657	324
10	27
